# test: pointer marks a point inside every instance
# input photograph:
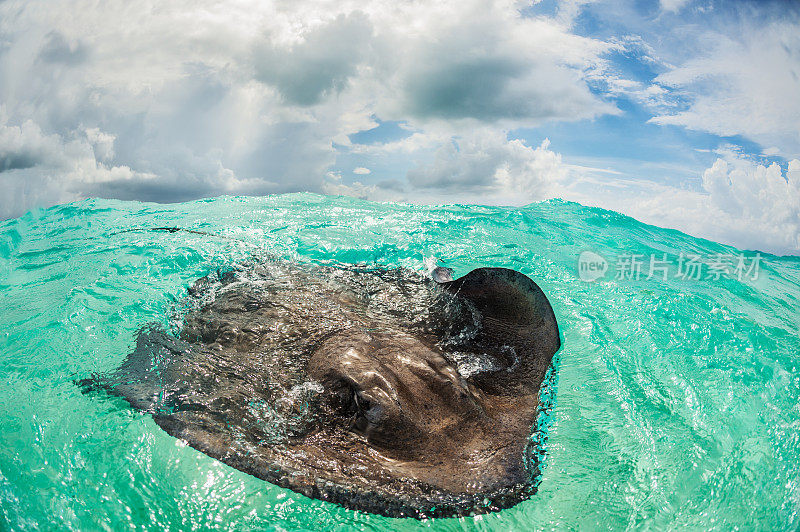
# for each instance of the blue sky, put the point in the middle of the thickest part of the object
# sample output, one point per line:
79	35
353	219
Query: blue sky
628	141
682	113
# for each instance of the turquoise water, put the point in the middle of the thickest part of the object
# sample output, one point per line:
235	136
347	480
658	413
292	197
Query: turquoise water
677	401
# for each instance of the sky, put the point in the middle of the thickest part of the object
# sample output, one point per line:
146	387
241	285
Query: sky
680	113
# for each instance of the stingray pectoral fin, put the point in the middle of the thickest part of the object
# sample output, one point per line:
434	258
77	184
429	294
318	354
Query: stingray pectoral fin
515	316
147	376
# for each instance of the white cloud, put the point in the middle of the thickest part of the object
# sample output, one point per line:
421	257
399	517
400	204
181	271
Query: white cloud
36	168
25	146
492	66
102	143
318	65
188	99
753	205
673	5
204	97
746	85
740	202
485	163
362	171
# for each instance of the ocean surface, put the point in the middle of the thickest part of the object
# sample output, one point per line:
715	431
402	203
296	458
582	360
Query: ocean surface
676	400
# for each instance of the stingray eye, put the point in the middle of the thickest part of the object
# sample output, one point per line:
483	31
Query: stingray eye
359	413
347	400
362	407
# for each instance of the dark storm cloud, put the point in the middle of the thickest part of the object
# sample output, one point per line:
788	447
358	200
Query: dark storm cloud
158	191
477	88
17	161
57	49
391	184
318	66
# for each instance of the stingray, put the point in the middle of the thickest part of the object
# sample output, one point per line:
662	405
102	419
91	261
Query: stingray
380	390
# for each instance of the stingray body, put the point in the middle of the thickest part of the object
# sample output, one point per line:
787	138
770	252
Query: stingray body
380	390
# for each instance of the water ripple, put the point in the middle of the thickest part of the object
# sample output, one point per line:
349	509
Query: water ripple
677	402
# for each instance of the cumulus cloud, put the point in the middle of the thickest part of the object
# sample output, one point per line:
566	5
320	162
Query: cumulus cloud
745	203
499	68
204	97
39	168
739	202
320	63
175	101
745	85
486	162
25	146
479	166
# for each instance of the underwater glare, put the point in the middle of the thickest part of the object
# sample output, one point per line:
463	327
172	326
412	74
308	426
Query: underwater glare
675	400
